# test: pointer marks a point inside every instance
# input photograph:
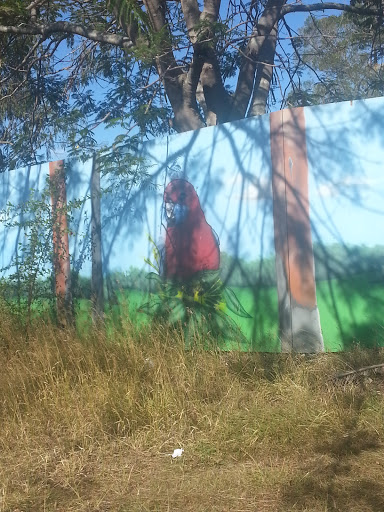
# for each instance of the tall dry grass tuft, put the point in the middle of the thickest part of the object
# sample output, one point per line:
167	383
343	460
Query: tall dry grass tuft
88	423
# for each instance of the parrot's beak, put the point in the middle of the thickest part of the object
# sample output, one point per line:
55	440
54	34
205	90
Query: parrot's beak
169	210
176	213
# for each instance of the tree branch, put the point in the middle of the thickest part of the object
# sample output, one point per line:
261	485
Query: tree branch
211	10
205	65
191	13
264	74
69	28
375	367
261	41
36	3
367	11
124	18
179	86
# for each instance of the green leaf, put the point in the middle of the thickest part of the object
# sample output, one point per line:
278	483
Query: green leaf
233	304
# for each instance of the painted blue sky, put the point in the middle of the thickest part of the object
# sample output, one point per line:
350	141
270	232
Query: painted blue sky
345	143
230	166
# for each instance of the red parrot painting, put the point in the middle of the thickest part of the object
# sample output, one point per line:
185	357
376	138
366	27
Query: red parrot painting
189	290
191	245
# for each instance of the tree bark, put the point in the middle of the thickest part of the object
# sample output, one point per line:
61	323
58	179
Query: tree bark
261	42
264	75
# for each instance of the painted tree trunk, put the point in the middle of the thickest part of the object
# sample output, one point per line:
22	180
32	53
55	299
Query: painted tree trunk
299	320
97	290
61	256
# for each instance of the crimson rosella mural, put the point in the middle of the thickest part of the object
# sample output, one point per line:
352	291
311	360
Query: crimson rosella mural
190	291
190	245
262	234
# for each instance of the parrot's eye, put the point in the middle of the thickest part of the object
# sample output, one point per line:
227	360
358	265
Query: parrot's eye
182	197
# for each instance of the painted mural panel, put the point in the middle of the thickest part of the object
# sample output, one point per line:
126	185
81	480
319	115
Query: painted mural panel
345	144
17	188
199	236
215	238
265	233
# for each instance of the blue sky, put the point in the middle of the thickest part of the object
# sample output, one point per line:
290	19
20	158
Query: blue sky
105	135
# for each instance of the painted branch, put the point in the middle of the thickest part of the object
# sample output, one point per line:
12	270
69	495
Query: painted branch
97	285
299	320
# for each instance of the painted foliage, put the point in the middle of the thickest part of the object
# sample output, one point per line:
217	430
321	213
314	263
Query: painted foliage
265	232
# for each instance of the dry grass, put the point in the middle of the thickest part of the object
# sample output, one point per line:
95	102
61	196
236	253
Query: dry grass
88	425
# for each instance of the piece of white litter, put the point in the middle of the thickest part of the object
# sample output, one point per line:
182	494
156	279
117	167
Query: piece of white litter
177	453
149	363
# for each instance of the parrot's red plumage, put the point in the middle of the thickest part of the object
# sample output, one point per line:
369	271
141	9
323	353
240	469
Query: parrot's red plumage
190	244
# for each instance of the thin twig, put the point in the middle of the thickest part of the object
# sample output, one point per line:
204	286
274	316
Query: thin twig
359	370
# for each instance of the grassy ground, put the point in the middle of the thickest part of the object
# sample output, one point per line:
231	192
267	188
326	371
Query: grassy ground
88	424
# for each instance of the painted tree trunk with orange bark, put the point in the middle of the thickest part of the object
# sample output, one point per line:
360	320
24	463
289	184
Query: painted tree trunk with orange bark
61	256
299	319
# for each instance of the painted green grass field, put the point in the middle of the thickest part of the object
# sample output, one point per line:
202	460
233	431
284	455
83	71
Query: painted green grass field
261	304
351	312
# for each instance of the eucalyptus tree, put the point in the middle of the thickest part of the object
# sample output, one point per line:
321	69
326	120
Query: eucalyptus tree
68	66
338	58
